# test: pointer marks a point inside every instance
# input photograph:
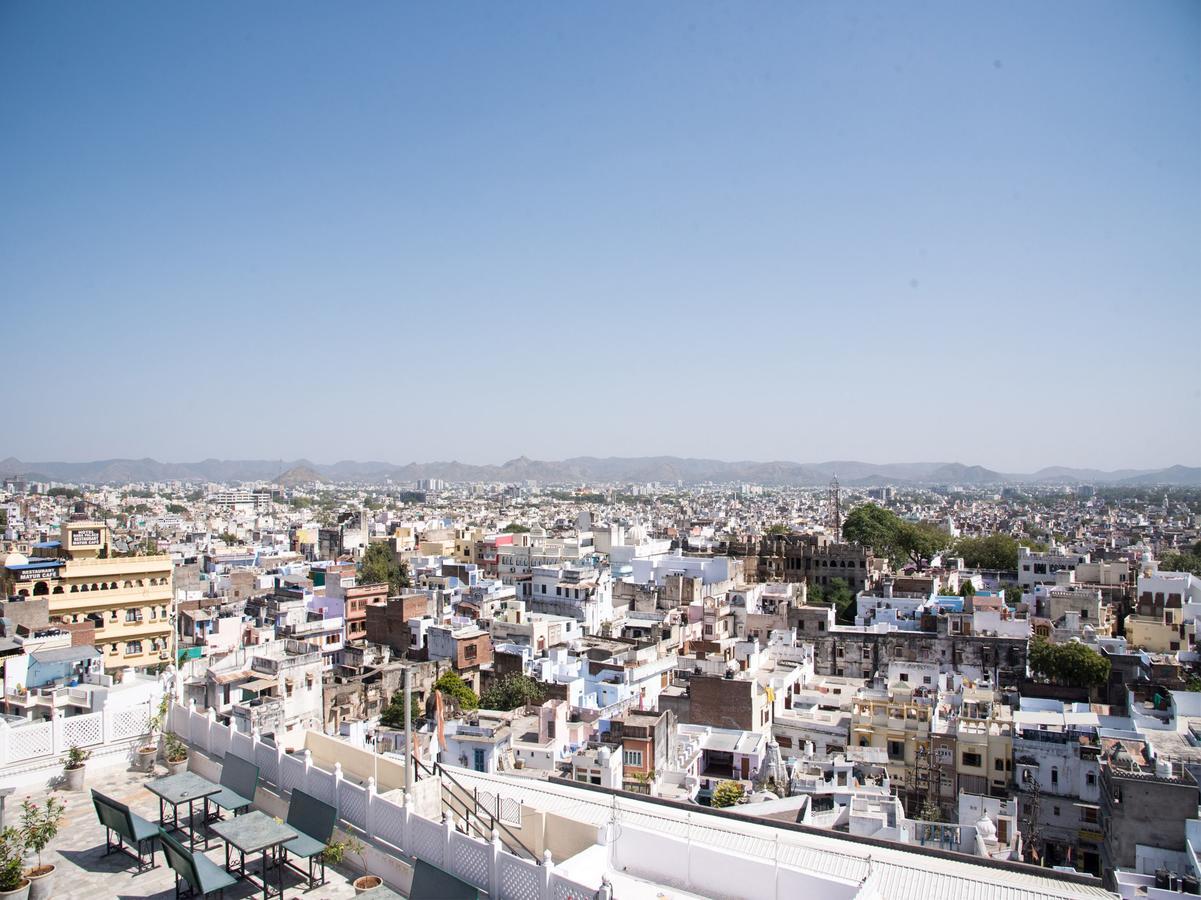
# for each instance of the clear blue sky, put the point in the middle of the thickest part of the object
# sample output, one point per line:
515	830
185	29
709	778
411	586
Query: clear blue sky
747	231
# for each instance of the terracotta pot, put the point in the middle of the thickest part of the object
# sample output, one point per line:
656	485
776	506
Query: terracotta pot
74	779
41	884
21	893
177	766
365	883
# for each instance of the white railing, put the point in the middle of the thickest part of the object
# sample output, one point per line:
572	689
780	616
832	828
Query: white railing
28	743
389	825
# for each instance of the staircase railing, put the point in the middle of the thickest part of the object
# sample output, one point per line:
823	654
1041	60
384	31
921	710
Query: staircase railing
464	804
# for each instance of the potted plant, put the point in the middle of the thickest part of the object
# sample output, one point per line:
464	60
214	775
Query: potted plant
73	766
337	850
39	826
149	750
175	753
13	883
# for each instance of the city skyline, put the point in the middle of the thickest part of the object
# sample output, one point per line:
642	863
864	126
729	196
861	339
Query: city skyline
575	231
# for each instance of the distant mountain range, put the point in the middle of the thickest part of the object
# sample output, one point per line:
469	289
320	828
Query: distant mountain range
586	469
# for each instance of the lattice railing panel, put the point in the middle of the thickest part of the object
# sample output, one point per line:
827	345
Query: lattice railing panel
469	859
83	731
29	741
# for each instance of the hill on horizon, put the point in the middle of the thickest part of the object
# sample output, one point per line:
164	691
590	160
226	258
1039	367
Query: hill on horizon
585	469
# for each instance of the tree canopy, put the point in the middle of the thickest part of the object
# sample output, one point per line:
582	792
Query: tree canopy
837	594
727	794
890	535
997	551
393	715
1187	561
512	691
1069	664
453	686
514	528
380	566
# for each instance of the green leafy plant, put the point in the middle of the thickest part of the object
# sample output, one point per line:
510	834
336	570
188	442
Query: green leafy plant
76	757
511	691
453	686
335	851
174	749
12	852
39	826
727	794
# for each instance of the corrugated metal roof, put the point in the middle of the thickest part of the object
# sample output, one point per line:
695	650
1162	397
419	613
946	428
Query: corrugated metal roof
897	871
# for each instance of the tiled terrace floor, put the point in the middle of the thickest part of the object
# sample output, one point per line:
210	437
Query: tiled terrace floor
85	873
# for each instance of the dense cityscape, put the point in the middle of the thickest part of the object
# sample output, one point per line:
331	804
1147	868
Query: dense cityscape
684	450
1002	672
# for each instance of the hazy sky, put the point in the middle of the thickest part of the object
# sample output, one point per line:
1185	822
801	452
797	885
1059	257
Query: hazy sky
953	231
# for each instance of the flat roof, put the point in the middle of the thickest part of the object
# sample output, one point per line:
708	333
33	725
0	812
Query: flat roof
65	654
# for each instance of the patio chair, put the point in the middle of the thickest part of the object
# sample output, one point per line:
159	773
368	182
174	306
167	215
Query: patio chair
201	874
239	781
430	881
128	826
314	820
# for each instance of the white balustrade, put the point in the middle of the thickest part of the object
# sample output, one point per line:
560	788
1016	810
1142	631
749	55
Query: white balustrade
98	731
391	825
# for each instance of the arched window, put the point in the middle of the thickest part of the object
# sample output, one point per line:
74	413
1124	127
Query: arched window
58	589
74	588
113	586
83	587
22	593
129	584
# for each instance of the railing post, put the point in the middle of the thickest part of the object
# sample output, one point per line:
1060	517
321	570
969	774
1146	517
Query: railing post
405	841
56	733
307	756
494	852
208	732
544	873
369	807
106	727
279	767
338	788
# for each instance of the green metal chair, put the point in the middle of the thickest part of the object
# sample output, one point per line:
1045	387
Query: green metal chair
314	821
128	826
430	881
239	781
201	874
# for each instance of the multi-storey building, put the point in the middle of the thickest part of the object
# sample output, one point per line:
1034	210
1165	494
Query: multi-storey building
1144	805
899	720
249	501
128	598
1056	772
1040	568
816	559
856	652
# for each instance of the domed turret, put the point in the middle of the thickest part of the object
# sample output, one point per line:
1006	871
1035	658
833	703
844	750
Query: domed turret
986	829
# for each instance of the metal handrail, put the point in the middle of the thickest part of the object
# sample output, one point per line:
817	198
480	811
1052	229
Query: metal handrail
492	822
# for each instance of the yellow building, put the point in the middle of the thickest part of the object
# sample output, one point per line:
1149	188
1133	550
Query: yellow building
983	730
1164	633
898	721
127	598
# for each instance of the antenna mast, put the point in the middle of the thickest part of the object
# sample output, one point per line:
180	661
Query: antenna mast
835	509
